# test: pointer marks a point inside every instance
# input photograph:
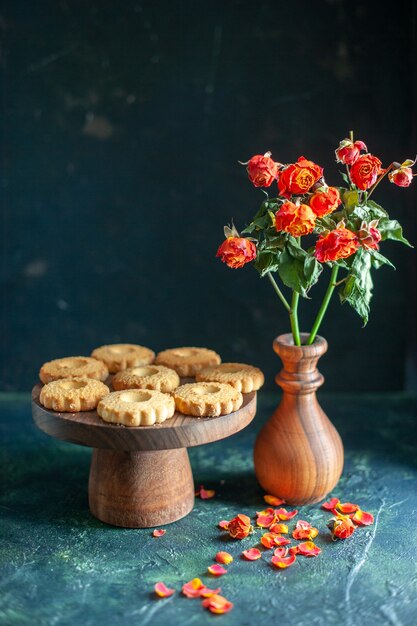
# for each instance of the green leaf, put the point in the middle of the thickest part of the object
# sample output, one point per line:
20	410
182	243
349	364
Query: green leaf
345	177
357	289
291	272
267	261
350	199
275	242
392	229
379	259
312	270
295	250
377	211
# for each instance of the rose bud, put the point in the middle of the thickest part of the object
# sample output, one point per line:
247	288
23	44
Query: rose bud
348	152
236	251
339	243
325	202
240	527
299	177
365	171
402	176
262	170
341	527
296	219
369	236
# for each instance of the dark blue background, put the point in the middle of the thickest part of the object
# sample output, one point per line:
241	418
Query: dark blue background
122	126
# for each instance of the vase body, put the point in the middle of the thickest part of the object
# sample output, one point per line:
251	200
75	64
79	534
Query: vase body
298	454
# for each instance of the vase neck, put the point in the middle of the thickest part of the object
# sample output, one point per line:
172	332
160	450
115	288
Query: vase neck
299	375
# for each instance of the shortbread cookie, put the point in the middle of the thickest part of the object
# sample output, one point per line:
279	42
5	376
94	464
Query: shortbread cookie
119	356
187	361
244	378
156	377
73	366
136	407
207	399
71	395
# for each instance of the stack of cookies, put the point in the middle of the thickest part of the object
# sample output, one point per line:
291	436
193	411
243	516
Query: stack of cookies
148	389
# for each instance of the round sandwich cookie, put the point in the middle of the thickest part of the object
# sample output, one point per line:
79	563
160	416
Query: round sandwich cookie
157	377
73	366
72	395
207	399
244	378
136	407
120	356
187	361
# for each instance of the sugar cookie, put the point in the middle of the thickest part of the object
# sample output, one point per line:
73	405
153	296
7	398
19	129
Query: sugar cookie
187	361
71	395
156	377
119	356
207	399
72	366
244	378
136	407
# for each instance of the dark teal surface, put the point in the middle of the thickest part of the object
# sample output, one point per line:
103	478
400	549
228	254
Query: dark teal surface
61	566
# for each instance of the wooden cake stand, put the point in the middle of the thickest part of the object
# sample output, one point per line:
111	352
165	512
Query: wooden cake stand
140	476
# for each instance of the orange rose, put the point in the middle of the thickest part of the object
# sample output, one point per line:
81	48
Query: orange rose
325	202
236	251
299	177
240	527
262	170
369	236
341	528
340	243
365	171
296	219
348	152
403	176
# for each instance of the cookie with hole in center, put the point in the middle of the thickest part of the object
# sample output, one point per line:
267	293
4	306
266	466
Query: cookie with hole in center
120	356
73	366
157	377
72	395
207	399
136	407
187	361
244	378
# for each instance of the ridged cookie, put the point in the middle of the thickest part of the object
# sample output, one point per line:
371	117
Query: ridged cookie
73	366
156	377
71	395
187	361
244	378
136	407
207	399
120	356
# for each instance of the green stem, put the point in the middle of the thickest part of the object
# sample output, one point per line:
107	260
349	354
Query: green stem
324	305
279	292
294	318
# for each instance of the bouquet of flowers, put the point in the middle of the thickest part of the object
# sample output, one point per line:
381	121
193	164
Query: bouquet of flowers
345	224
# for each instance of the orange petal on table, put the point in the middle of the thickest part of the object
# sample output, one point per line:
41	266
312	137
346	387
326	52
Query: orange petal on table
253	554
268	511
205	592
304	530
217	604
281	552
331	504
284	515
224	524
294	550
223	557
217	570
270	540
273	500
308	549
265	521
158	532
205	494
162	590
193	588
362	518
346	507
283	562
278	529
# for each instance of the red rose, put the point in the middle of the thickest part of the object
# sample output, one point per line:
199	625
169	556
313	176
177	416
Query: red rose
296	219
299	177
341	528
369	236
236	251
340	243
325	202
348	152
240	527
262	170
365	171
402	176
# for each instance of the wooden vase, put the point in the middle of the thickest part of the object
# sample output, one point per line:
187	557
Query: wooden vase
298	454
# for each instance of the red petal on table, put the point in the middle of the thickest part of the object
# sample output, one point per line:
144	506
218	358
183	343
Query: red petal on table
362	518
346	507
294	550
267	540
331	504
223	557
158	532
308	549
265	521
224	524
162	590
205	592
217	570
281	541
281	552
267	511
205	494
283	562
278	529
273	500
304	530
193	588
217	604
284	515
253	554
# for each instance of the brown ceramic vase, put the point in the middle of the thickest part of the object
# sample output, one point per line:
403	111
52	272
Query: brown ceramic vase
298	454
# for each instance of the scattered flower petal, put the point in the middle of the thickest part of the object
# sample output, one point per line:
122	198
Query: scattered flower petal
224	524
265	521
193	588
331	504
293	550
346	507
270	540
253	554
205	592
205	494
223	557
217	570
279	529
240	527
341	527
273	500
362	518
158	532
304	530
162	590
283	562
308	548
281	552
284	515
217	604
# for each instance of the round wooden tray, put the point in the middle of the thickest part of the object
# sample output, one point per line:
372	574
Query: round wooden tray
140	476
